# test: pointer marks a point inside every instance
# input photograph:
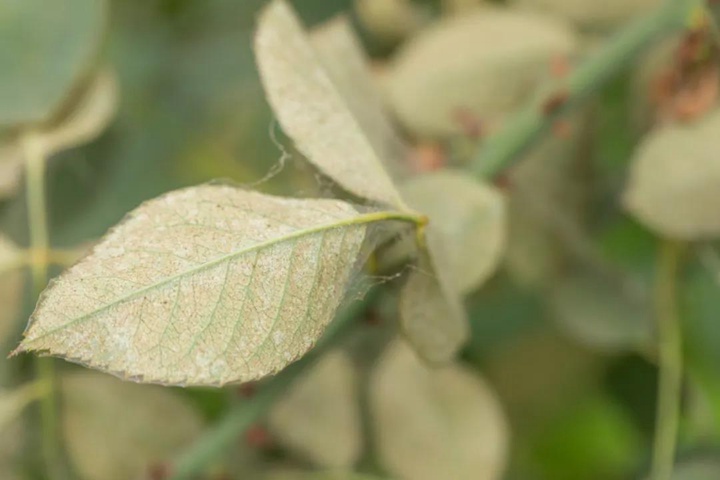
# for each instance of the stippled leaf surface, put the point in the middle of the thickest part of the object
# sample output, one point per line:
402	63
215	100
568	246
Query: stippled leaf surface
469	218
432	316
319	417
312	109
341	54
674	185
44	48
203	286
433	423
117	430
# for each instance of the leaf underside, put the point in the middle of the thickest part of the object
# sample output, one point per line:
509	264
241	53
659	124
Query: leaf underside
312	110
203	286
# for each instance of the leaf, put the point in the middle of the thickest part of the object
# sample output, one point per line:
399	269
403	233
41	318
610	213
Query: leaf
319	417
84	121
13	402
435	423
203	286
88	117
435	79
116	430
44	49
390	21
311	108
601	314
12	285
342	55
468	216
674	184
432	316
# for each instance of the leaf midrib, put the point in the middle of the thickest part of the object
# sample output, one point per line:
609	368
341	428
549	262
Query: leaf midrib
348	222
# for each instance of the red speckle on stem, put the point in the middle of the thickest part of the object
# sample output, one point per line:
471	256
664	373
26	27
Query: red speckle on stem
554	102
158	471
258	437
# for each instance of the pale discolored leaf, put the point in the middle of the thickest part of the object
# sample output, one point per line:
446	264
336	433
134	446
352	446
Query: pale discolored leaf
45	47
476	67
13	402
432	316
468	217
342	55
436	423
116	430
203	286
590	14
88	117
674	185
319	417
312	110
601	314
12	284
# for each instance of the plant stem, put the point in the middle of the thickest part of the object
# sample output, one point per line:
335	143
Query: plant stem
526	126
216	440
670	361
35	162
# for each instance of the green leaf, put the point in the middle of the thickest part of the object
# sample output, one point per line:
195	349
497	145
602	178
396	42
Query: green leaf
116	430
319	417
342	55
432	316
484	64
435	423
674	185
468	217
44	49
601	314
204	286
312	109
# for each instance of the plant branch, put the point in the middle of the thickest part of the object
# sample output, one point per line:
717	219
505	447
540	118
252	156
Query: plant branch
216	440
529	124
35	162
669	359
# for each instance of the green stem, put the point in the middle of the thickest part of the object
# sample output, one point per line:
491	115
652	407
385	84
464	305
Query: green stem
529	124
216	440
670	361
35	162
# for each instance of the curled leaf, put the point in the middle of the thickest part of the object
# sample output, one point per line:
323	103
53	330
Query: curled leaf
432	316
319	417
674	184
477	66
204	286
138	426
436	423
469	219
312	109
44	49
